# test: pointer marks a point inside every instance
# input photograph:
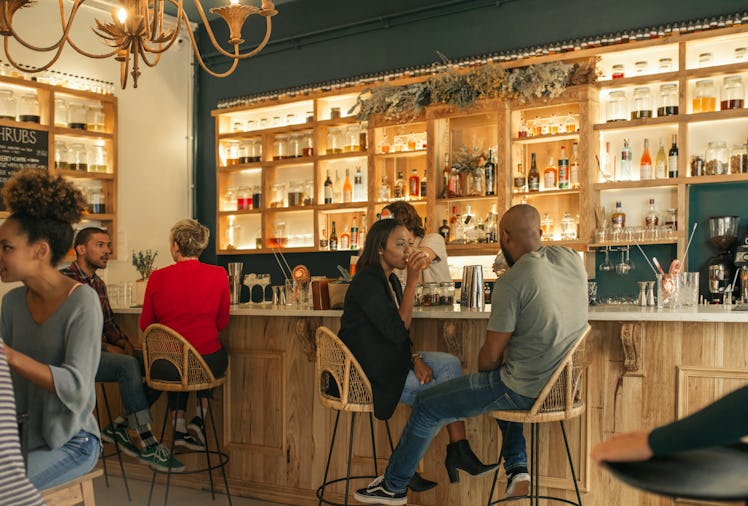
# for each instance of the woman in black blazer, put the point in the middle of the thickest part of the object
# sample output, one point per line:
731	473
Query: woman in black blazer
376	317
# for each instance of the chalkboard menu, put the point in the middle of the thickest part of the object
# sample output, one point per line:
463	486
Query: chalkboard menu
21	148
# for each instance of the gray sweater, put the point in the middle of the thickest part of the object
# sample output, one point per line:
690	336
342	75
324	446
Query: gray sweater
70	343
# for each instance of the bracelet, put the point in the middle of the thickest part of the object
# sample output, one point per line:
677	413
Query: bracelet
414	357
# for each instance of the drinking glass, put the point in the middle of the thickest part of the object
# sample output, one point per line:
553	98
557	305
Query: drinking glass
606	266
688	288
622	268
264	281
592	293
112	291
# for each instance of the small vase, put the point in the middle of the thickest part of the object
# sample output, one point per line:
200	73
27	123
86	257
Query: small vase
140	291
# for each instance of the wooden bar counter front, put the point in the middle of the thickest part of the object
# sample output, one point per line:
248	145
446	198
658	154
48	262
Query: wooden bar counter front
645	368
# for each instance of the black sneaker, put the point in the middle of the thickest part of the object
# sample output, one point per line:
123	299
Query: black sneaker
111	432
187	441
158	457
197	429
378	493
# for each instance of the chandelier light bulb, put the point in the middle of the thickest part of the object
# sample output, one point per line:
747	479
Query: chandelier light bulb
122	15
234	2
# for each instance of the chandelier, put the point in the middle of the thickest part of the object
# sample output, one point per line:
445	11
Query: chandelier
138	32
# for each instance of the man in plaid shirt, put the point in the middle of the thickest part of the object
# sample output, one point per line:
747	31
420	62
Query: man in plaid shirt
119	361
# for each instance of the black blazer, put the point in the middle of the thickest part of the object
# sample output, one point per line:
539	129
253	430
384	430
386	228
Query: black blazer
372	329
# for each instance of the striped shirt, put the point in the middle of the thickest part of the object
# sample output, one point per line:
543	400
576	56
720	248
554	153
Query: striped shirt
15	488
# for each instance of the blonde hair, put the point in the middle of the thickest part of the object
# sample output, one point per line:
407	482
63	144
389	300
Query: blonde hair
191	237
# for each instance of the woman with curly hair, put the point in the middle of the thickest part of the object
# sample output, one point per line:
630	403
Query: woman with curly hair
51	326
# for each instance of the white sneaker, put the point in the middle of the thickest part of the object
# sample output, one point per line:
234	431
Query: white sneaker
518	485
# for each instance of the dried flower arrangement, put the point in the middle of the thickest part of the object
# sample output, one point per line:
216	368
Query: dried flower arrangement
143	262
462	90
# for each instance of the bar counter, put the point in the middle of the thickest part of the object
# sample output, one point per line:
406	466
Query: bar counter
646	367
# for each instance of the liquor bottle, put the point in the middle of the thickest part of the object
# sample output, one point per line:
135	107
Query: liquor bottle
399	189
651	219
362	232
446	173
444	231
337	189
492	225
609	165
618	217
546	224
568	227
563	170
454	189
453	223
323	243
574	168
333	242
459	236
627	158
384	194
359	190
345	239
469	216
533	181
645	165
414	185
660	162
423	184
489	169
520	180
550	176
347	188
354	234
328	190
672	158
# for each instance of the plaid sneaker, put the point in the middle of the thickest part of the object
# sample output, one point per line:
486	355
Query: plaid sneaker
118	433
158	458
197	429
378	493
186	441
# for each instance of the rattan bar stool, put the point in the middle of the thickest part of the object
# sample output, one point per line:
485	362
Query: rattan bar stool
559	400
163	343
117	450
342	385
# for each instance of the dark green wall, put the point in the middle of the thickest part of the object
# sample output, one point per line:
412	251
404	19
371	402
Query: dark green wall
320	40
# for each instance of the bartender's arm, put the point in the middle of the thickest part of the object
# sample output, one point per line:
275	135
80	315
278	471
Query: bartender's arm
492	351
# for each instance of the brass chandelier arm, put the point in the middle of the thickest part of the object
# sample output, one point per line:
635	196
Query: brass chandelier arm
144	55
31	70
214	42
163	46
63	37
199	58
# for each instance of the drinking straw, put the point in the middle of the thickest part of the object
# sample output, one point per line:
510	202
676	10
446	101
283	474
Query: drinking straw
645	257
275	255
734	280
685	255
657	264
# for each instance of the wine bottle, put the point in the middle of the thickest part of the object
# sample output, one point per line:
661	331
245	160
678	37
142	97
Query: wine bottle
489	169
533	180
328	189
672	158
660	162
563	170
333	242
645	164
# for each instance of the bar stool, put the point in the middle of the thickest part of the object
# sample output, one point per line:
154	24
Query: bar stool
709	474
559	400
163	343
117	450
342	385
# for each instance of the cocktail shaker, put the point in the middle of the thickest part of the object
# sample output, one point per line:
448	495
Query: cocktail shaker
235	281
471	291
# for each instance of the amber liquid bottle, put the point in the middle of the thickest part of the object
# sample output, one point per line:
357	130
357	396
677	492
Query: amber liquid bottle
333	242
550	176
347	187
533	179
414	185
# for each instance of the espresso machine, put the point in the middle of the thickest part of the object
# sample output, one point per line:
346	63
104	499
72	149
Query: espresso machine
723	232
741	262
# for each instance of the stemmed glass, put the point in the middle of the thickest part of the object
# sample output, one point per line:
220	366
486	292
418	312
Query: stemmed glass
264	281
628	259
622	268
606	266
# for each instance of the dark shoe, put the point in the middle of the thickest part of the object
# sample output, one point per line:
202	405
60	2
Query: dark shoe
184	440
460	456
118	433
158	457
420	484
197	429
378	493
518	485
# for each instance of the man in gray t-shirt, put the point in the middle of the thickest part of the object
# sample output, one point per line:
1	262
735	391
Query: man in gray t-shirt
538	310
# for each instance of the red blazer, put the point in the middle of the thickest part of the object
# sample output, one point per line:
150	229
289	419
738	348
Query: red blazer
192	298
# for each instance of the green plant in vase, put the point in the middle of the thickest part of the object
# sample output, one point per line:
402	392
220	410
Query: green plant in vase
143	262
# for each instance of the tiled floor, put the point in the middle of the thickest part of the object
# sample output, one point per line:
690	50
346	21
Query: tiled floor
115	495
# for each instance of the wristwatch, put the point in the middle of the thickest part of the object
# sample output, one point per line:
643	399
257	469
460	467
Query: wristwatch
413	358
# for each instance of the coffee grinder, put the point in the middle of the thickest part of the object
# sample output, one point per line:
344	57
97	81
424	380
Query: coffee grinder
723	232
741	261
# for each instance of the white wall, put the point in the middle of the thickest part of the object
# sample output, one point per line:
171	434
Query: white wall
154	130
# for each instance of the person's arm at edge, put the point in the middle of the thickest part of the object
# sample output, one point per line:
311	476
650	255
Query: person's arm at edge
34	371
492	351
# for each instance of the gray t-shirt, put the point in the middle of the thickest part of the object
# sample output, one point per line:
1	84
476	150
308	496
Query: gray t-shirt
542	301
69	341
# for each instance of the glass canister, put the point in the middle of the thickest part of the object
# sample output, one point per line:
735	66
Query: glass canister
640	67
232	153
77	116
308	193
668	100
245	148
430	294
732	94
62	158
446	293
279	147
741	54
256	150
61	112
7	105
257	197
28	109
243	198
716	158
96	201
294	146
350	139
617	71
642	103
99	159
295	193
704	97
307	146
665	65
95	118
334	112
616	109
78	157
278	195
705	59
739	159
334	141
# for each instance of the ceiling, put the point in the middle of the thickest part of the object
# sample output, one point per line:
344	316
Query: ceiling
189	7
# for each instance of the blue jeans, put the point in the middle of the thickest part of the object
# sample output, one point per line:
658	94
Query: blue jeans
49	468
462	397
127	372
444	367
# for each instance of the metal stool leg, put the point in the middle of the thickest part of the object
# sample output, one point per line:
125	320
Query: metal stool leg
118	451
207	454
161	441
321	490
571	463
218	449
373	444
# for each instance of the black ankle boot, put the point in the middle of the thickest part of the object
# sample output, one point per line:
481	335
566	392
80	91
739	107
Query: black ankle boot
420	484
461	456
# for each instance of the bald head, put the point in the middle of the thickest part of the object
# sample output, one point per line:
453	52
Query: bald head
520	231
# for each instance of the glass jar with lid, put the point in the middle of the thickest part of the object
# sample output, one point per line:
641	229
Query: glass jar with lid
77	117
62	158
295	193
7	105
741	54
294	146
290	119
28	108
334	141
446	293
232	153
243	198
229	202
96	201
617	109
279	147
95	118
78	157
334	112
704	97
705	59
640	67
99	161
308	193
309	116
617	71
61	112
716	158
642	103
430	294
278	195
668	100
351	139
244	149
732	94
739	159
307	146
255	154
665	65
